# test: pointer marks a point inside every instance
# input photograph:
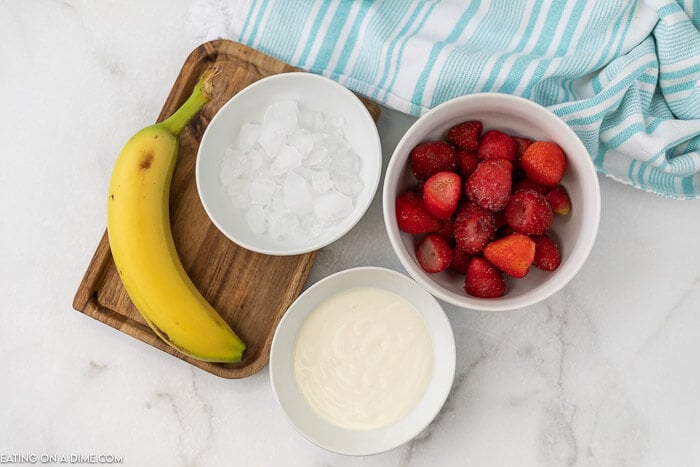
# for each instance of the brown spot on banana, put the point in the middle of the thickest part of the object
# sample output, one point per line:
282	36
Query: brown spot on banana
146	160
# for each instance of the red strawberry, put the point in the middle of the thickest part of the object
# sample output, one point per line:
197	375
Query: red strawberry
434	254
433	157
529	212
483	280
497	145
521	144
547	256
473	228
512	254
460	261
490	184
412	216
465	135
544	162
558	198
466	161
441	194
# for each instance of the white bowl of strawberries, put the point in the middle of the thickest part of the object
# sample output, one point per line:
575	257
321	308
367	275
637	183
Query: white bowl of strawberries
491	202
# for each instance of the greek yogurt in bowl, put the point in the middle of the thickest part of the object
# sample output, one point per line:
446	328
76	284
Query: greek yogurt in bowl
363	358
363	361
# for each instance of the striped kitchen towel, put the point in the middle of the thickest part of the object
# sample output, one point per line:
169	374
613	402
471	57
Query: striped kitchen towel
623	74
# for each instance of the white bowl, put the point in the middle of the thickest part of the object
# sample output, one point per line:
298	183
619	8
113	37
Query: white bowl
314	93
356	442
575	232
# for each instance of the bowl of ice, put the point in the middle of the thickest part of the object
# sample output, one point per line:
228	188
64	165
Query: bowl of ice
289	165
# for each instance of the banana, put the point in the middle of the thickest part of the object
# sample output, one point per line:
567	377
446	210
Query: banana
140	238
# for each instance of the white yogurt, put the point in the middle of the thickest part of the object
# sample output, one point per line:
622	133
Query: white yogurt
363	358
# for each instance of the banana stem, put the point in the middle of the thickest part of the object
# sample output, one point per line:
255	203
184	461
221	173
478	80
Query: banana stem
200	96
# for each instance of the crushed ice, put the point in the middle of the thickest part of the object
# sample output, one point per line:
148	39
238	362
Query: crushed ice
293	174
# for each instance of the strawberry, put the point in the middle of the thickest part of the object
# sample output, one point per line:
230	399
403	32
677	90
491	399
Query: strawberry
528	212
473	228
466	161
558	198
465	135
460	261
521	145
490	184
547	256
430	158
512	254
483	280
412	216
544	162
497	145
441	194
434	254
447	230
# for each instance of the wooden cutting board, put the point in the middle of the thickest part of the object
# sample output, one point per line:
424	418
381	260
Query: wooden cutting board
250	290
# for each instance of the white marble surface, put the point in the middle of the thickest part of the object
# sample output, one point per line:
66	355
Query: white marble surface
606	373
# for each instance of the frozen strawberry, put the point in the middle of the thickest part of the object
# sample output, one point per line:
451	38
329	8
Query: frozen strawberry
512	254
434	254
483	280
527	184
497	145
528	212
465	135
473	228
490	184
521	144
441	194
432	157
558	198
544	162
412	216
466	161
460	261
547	256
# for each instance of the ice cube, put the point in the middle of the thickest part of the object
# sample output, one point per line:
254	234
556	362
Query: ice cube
261	191
300	139
312	226
228	172
271	140
240	195
321	181
287	159
256	218
281	225
332	206
318	157
350	185
344	162
281	116
248	135
297	194
312	120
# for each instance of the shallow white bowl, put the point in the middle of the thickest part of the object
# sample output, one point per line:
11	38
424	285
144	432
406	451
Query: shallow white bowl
313	92
575	232
342	440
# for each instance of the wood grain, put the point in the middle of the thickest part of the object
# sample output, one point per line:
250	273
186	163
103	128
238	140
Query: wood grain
251	291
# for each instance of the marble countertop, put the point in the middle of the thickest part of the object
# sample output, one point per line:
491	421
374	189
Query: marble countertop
605	373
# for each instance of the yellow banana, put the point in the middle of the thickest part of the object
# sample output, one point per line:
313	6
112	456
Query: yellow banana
138	226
